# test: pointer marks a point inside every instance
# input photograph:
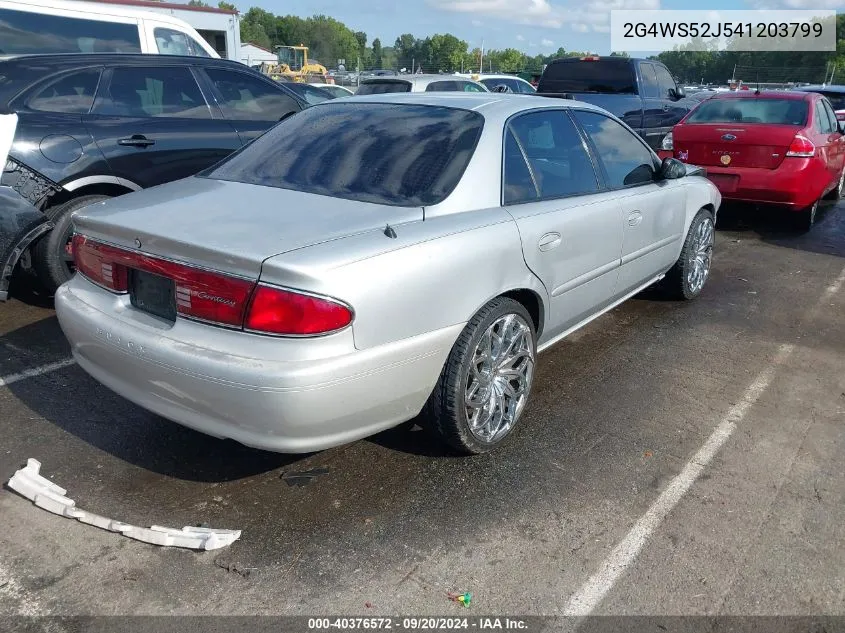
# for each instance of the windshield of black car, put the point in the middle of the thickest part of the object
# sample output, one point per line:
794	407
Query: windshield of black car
751	110
383	87
603	76
837	99
393	154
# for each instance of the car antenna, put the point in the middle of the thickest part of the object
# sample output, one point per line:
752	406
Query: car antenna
757	91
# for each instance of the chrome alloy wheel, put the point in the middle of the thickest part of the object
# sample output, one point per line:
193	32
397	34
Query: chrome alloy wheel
700	255
499	379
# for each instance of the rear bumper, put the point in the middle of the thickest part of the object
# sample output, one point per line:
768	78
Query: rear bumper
285	395
20	225
797	183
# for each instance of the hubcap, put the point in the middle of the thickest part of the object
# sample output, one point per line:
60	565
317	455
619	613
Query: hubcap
499	378
700	255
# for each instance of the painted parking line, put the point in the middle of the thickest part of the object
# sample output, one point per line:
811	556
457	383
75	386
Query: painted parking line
584	601
5	381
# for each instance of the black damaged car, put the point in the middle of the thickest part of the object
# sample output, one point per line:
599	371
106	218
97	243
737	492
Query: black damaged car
77	129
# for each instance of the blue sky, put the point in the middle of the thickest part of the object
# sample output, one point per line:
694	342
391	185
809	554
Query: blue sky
535	26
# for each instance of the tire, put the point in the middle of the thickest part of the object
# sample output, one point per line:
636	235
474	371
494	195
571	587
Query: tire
682	282
805	219
51	259
445	413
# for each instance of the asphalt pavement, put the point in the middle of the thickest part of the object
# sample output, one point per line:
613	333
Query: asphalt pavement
675	459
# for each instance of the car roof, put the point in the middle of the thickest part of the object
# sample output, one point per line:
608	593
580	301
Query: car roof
417	80
65	60
763	94
493	105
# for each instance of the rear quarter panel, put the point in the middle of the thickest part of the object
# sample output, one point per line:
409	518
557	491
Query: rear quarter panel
436	273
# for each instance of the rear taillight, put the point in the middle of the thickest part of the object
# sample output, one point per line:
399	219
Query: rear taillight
214	297
97	262
286	312
801	146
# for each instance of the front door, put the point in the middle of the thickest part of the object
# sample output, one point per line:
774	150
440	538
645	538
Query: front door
571	231
652	211
153	125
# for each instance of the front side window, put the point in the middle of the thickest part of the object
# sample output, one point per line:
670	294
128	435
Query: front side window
626	160
310	94
250	98
468	86
398	155
171	42
26	33
559	162
73	93
664	81
167	91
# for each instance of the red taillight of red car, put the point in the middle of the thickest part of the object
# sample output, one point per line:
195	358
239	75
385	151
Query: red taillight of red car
285	312
802	147
97	262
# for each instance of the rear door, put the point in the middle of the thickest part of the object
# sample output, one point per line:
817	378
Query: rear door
252	104
652	212
671	109
653	105
153	124
571	231
829	142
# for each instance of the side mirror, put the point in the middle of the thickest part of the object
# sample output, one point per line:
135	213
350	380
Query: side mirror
677	93
672	169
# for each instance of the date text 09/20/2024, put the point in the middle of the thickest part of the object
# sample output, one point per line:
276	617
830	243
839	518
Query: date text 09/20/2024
417	623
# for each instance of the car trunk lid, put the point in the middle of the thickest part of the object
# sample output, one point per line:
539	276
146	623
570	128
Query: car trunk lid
228	226
733	145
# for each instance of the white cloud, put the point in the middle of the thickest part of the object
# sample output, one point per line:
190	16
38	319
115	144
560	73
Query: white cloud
580	27
545	13
546	43
477	23
520	38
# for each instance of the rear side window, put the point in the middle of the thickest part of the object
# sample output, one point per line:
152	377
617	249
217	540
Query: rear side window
250	98
559	163
166	91
751	110
825	119
604	76
627	161
383	87
24	32
171	42
398	155
72	93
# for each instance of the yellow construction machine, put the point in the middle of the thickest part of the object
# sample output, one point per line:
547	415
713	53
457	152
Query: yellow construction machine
294	66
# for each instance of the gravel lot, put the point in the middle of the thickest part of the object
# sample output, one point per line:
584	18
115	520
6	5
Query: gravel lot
676	459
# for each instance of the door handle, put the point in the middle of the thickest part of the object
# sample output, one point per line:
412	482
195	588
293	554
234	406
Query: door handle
549	241
136	140
634	218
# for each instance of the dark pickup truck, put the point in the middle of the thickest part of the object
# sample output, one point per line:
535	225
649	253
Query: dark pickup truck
640	92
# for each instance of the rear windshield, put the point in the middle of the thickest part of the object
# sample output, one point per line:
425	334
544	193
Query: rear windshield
772	111
603	76
399	155
383	87
24	32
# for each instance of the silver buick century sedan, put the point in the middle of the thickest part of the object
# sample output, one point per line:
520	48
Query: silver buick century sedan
375	259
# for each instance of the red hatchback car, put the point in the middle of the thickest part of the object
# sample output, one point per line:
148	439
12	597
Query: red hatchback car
783	148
